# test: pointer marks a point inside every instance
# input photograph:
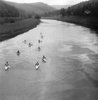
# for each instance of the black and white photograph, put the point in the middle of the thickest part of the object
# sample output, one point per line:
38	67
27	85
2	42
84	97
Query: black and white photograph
48	49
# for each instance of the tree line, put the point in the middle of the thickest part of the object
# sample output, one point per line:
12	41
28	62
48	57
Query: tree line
10	14
85	9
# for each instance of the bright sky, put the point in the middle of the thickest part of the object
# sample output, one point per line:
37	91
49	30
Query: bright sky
50	2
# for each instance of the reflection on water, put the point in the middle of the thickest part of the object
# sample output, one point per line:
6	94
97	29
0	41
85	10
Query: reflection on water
71	71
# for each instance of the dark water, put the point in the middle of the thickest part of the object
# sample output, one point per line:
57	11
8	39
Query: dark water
71	71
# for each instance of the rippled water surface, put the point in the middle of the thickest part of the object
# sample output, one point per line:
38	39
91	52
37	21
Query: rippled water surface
71	70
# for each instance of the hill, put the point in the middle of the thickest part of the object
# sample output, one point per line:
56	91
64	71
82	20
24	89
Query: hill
60	6
87	9
94	0
38	8
10	14
7	10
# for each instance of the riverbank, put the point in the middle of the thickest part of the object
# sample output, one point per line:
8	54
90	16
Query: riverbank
10	30
90	22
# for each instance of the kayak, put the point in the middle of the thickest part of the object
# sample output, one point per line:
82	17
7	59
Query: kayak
37	67
44	60
7	68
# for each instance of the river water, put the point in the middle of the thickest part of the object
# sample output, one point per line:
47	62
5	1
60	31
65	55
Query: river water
71	70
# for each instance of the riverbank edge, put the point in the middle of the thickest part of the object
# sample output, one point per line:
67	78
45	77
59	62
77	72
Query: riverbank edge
89	22
11	30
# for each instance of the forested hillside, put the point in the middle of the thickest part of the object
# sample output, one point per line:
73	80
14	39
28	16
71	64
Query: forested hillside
14	21
88	8
8	10
10	14
84	13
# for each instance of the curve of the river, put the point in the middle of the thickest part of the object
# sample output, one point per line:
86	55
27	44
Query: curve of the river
71	70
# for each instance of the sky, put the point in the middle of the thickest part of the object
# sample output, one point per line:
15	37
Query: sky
50	2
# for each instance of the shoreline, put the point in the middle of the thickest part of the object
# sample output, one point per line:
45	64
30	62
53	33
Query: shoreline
90	22
10	30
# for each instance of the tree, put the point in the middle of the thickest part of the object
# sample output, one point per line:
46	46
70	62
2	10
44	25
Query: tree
62	12
37	17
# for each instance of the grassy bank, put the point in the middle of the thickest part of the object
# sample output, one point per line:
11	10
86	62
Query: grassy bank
90	22
10	30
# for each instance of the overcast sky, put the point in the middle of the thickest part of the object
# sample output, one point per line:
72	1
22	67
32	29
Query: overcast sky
50	2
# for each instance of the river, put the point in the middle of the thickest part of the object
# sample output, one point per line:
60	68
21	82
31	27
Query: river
71	69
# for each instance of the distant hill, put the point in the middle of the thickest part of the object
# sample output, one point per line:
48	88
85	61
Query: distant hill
60	6
38	8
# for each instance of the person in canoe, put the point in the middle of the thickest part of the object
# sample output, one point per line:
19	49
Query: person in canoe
7	66
39	48
30	44
25	41
42	36
37	65
44	59
18	52
39	41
